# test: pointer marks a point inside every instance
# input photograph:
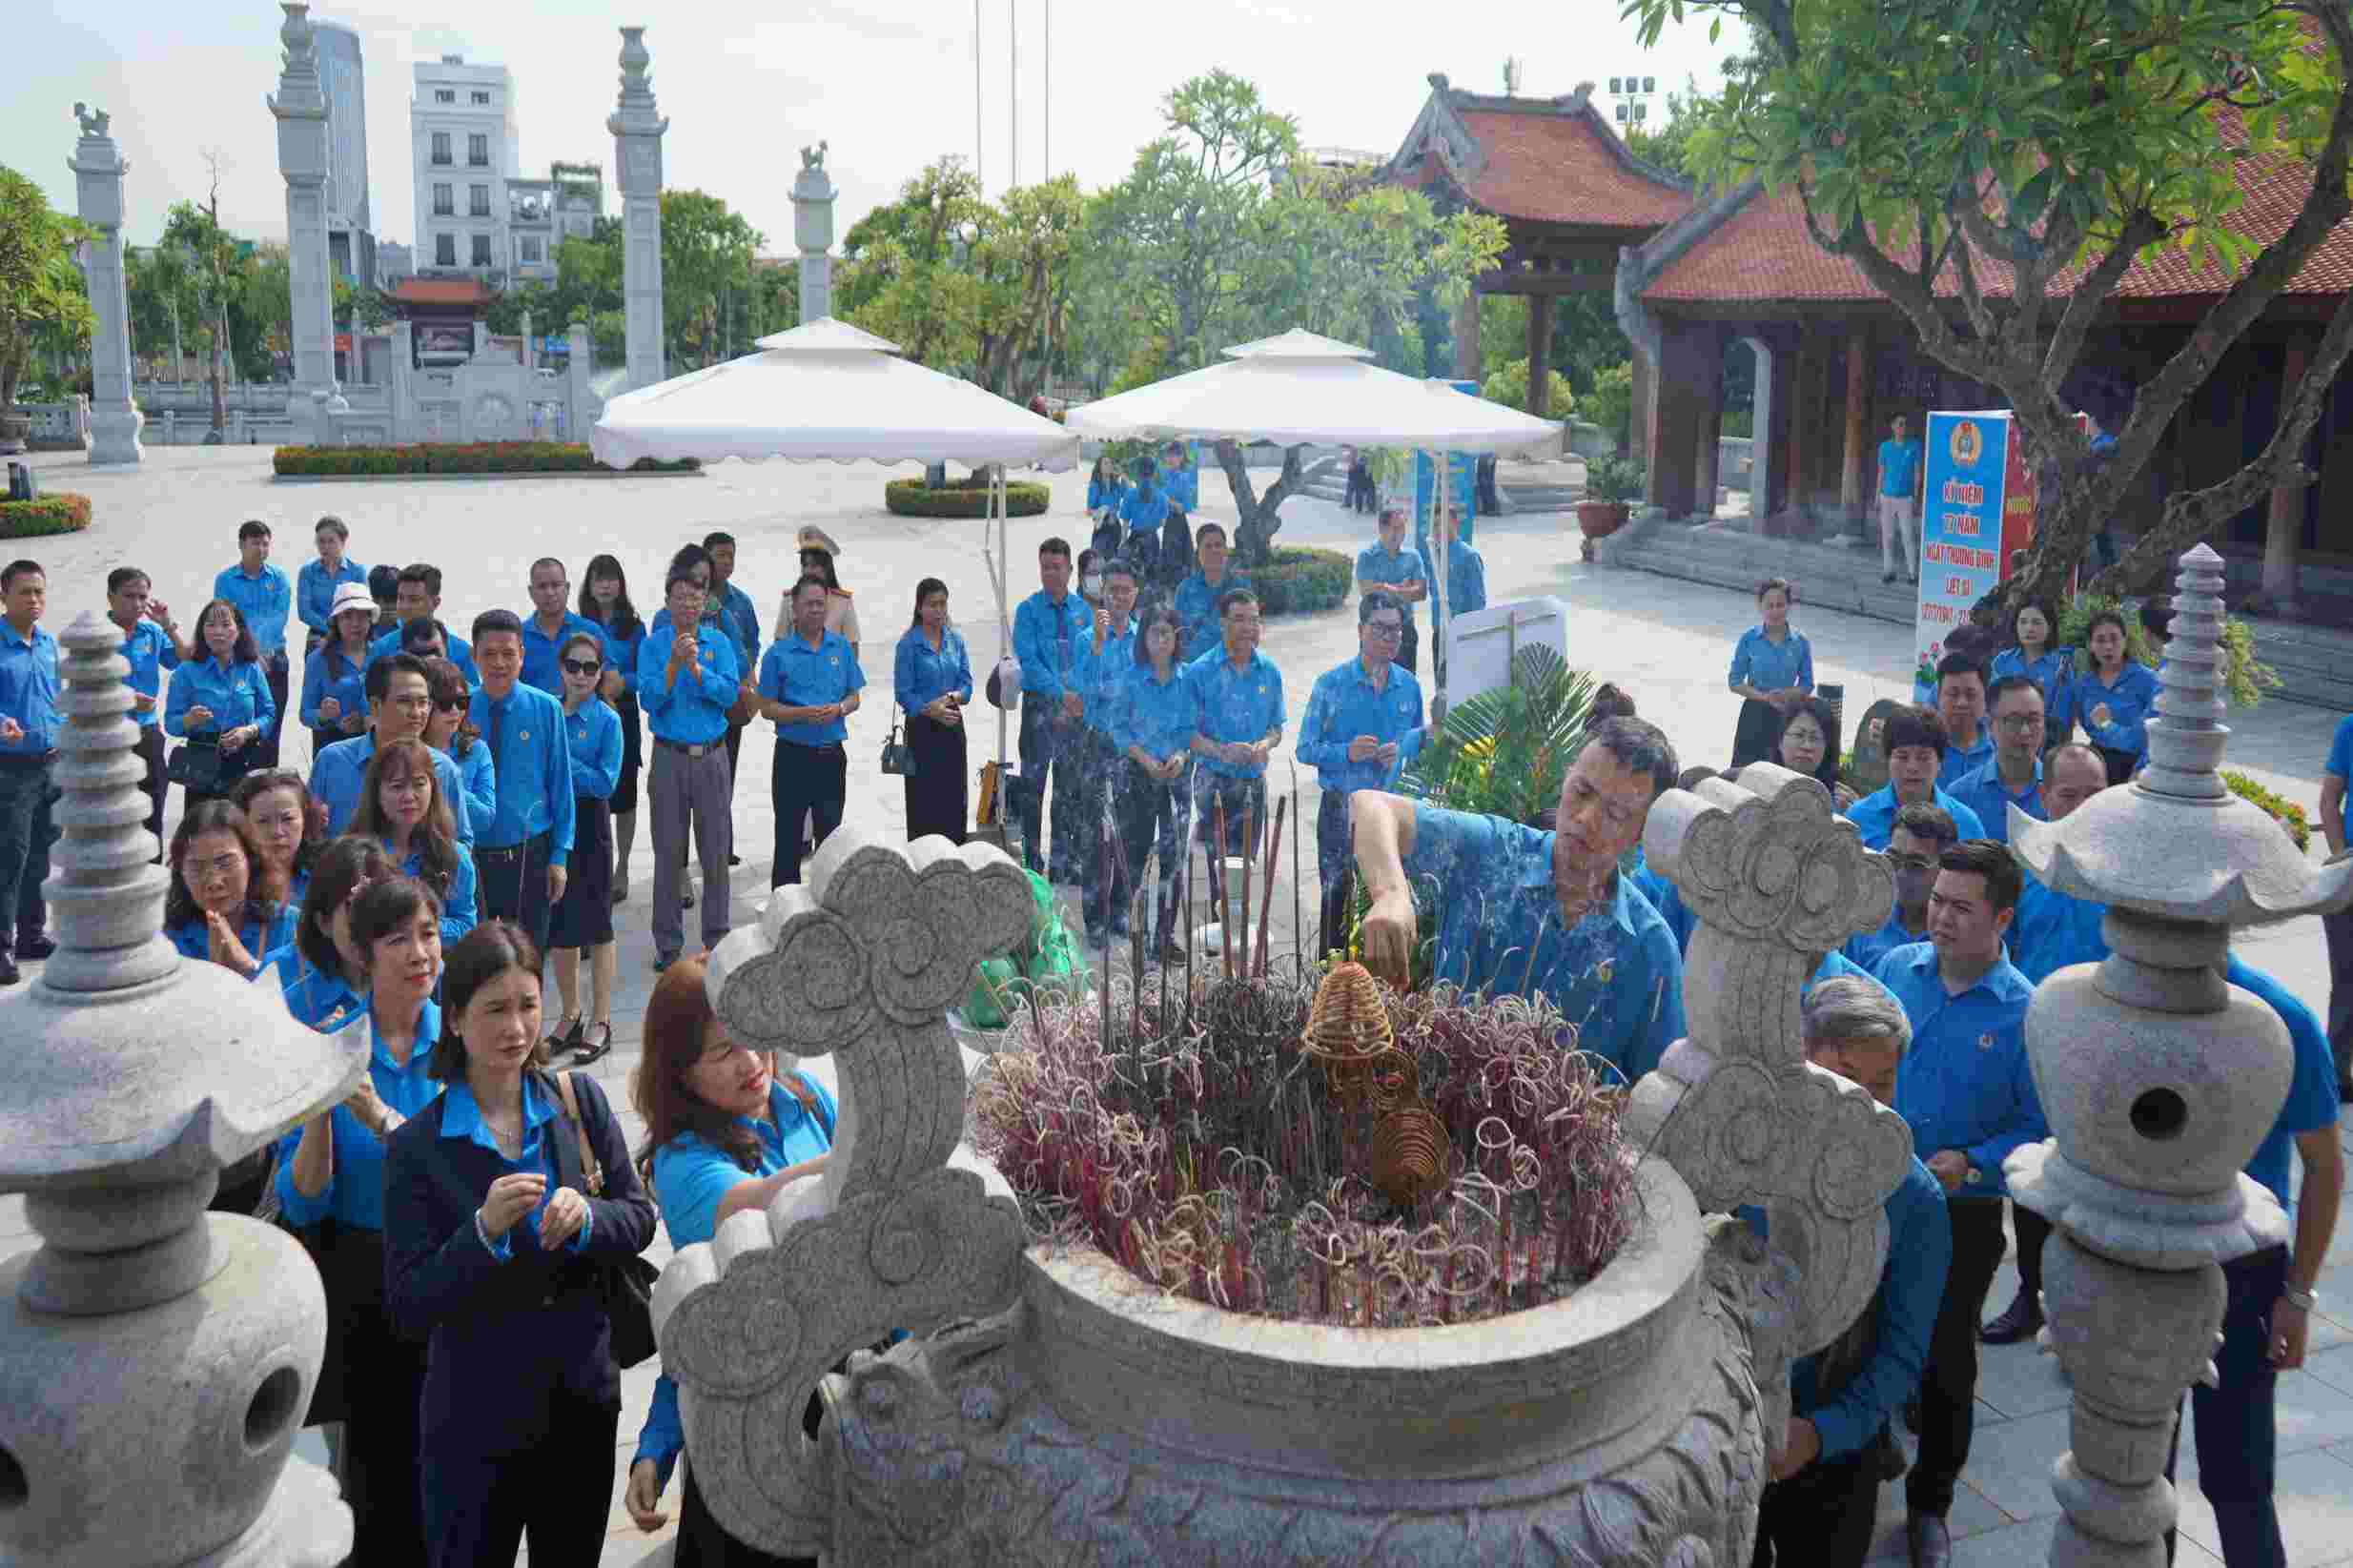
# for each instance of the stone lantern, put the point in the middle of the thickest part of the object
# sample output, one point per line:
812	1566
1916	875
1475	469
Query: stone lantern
156	1360
2160	1080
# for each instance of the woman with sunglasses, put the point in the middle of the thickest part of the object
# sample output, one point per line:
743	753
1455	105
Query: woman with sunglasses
605	600
322	972
401	807
584	918
449	730
329	1189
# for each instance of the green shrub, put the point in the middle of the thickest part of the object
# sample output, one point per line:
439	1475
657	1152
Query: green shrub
967	497
1299	580
456	458
2286	812
1614	480
1508	386
59	512
1610	404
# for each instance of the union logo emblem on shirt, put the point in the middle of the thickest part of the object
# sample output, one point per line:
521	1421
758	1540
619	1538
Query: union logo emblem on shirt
1985	1042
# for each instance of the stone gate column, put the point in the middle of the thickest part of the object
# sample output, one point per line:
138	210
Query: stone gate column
300	107
813	230
637	155
98	167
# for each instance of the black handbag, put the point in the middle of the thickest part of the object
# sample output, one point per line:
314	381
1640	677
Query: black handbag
897	756
626	1285
198	765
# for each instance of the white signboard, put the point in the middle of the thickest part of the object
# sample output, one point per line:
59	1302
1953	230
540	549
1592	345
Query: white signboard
1481	645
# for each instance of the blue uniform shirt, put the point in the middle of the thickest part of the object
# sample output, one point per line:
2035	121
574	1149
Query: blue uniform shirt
799	676
338	773
1341	706
1196	607
463	1119
1965	1083
314	591
1160	716
29	690
2051	673
1047	637
149	648
1466	583
462	907
2131	703
592	740
1105	495
1184	486
1235	705
740	619
691	1175
693	709
2054	930
237	694
1102	678
355	1192
460	652
477	779
1867	949
1760	661
326	673
535	771
1874	816
316	999
1143	509
1380	568
265	602
1616	975
1663	896
919	675
1981	789
1911	1288
1961	761
2311	1104
620	653
540	666
1899	466
2339	749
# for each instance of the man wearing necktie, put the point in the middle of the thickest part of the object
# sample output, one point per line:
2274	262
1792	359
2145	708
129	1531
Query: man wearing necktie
521	851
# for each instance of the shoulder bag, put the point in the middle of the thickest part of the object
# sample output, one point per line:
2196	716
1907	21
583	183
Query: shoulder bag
628	1283
897	757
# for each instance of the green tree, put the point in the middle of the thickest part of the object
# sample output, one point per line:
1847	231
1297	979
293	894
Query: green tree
2055	141
707	254
1508	386
41	295
906	272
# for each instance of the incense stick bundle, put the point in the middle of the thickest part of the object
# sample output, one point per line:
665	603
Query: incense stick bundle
1266	905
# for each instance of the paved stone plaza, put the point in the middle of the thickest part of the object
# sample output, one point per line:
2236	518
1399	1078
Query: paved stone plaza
1665	641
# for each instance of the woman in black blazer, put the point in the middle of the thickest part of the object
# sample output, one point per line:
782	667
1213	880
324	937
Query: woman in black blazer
494	1254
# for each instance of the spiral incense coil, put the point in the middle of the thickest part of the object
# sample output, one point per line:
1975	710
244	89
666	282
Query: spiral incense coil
1409	1156
1348	1031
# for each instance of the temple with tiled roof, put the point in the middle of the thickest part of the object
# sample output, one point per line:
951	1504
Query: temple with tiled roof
1698	276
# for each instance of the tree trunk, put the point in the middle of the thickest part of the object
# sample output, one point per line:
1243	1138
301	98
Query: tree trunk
1254	530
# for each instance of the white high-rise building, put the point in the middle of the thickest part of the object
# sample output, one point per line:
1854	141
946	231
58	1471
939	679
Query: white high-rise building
462	148
351	231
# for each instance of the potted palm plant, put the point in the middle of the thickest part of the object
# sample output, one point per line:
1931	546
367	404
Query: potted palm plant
1611	486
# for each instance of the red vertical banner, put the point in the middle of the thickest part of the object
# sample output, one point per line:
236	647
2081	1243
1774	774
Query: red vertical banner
2018	504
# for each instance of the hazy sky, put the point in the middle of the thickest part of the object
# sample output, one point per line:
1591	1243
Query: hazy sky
889	83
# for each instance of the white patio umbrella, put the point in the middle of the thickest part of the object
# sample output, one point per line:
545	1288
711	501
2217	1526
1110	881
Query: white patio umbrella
1297	389
828	392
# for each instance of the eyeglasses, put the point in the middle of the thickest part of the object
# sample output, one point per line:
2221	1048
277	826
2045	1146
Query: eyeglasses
219	866
453	705
2018	721
1388	631
581	666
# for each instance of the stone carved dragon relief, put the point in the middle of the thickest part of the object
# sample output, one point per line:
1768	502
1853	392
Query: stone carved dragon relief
1775	880
942	1453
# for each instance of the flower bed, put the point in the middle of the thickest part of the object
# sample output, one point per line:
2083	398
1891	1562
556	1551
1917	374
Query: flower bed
460	457
59	512
1299	580
1367	1159
2286	812
963	499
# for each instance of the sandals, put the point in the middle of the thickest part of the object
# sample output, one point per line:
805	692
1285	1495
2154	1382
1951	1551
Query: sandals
563	1039
585	1050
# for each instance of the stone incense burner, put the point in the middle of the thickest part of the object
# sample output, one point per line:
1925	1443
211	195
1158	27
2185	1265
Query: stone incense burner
1055	1409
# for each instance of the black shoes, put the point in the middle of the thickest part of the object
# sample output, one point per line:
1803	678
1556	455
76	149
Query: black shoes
32	948
8	975
2020	1320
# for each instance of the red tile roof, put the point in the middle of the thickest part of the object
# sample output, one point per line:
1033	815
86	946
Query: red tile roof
1555	167
1763	253
440	291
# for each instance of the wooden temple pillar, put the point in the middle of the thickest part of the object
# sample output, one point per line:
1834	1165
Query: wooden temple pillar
1804	418
1539	354
1853	494
1687	378
1642	394
1707	458
2284	526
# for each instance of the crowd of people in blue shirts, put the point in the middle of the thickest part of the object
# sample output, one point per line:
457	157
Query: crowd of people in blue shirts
460	826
